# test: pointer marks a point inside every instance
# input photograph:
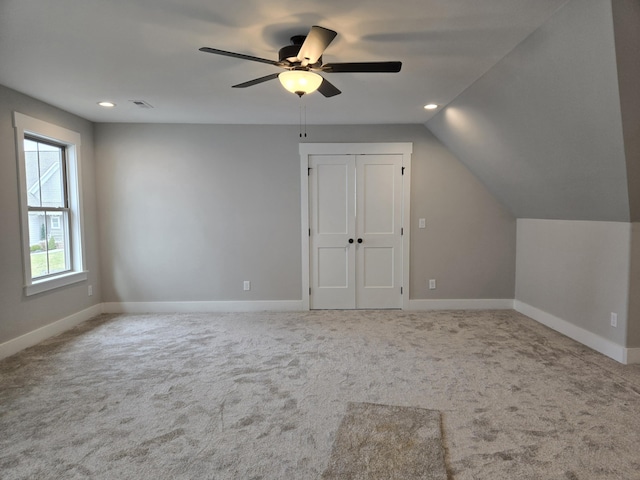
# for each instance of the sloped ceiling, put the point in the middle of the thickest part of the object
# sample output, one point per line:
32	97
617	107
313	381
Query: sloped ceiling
543	129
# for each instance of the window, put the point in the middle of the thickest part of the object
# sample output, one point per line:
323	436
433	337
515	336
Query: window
49	173
55	222
47	204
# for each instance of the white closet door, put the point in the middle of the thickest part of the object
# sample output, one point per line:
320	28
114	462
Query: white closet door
331	221
355	218
378	231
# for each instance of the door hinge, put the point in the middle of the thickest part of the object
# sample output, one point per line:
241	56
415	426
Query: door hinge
401	231
308	171
402	170
309	232
309	290
400	290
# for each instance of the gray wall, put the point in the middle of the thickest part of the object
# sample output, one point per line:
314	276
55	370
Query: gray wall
626	17
20	314
577	271
626	21
633	326
187	212
542	129
469	243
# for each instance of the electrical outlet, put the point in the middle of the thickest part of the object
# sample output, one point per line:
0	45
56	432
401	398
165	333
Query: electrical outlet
432	284
422	223
247	285
90	290
614	319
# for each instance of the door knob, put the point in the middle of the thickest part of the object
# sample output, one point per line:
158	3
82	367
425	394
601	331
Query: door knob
351	240
359	240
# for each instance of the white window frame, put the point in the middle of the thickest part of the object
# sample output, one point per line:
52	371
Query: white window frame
71	140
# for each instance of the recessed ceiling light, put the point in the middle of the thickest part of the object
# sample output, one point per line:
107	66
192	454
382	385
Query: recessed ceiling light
431	106
107	104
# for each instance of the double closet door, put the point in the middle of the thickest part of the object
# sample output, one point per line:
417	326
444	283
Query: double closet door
355	234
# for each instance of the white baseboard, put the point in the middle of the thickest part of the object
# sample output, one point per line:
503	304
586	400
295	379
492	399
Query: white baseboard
36	336
596	342
599	344
201	307
462	304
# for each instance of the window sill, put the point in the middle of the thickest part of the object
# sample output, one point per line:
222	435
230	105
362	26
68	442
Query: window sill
54	282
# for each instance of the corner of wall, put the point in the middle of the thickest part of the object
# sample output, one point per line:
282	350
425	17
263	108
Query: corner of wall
626	25
570	276
633	315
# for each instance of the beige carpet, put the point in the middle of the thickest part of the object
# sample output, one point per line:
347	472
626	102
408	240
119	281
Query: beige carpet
261	396
387	442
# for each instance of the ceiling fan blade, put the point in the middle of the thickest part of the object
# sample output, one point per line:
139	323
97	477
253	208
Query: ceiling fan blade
315	44
328	89
239	55
362	67
256	81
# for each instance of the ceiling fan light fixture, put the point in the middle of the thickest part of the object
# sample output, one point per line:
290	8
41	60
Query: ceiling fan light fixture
300	82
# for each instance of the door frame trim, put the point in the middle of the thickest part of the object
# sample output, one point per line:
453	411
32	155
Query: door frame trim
394	148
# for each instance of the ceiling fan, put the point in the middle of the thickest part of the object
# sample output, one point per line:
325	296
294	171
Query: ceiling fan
302	59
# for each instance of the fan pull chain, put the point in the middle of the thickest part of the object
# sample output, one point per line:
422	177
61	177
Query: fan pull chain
303	120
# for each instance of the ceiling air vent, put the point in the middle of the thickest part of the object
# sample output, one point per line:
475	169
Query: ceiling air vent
141	104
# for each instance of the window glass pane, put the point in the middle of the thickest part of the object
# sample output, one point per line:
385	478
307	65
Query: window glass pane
37	228
32	170
51	176
48	245
30	145
38	244
56	241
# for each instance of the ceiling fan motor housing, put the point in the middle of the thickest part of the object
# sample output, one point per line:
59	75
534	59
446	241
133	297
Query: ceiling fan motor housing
289	53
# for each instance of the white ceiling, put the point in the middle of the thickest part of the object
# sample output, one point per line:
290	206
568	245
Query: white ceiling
74	53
